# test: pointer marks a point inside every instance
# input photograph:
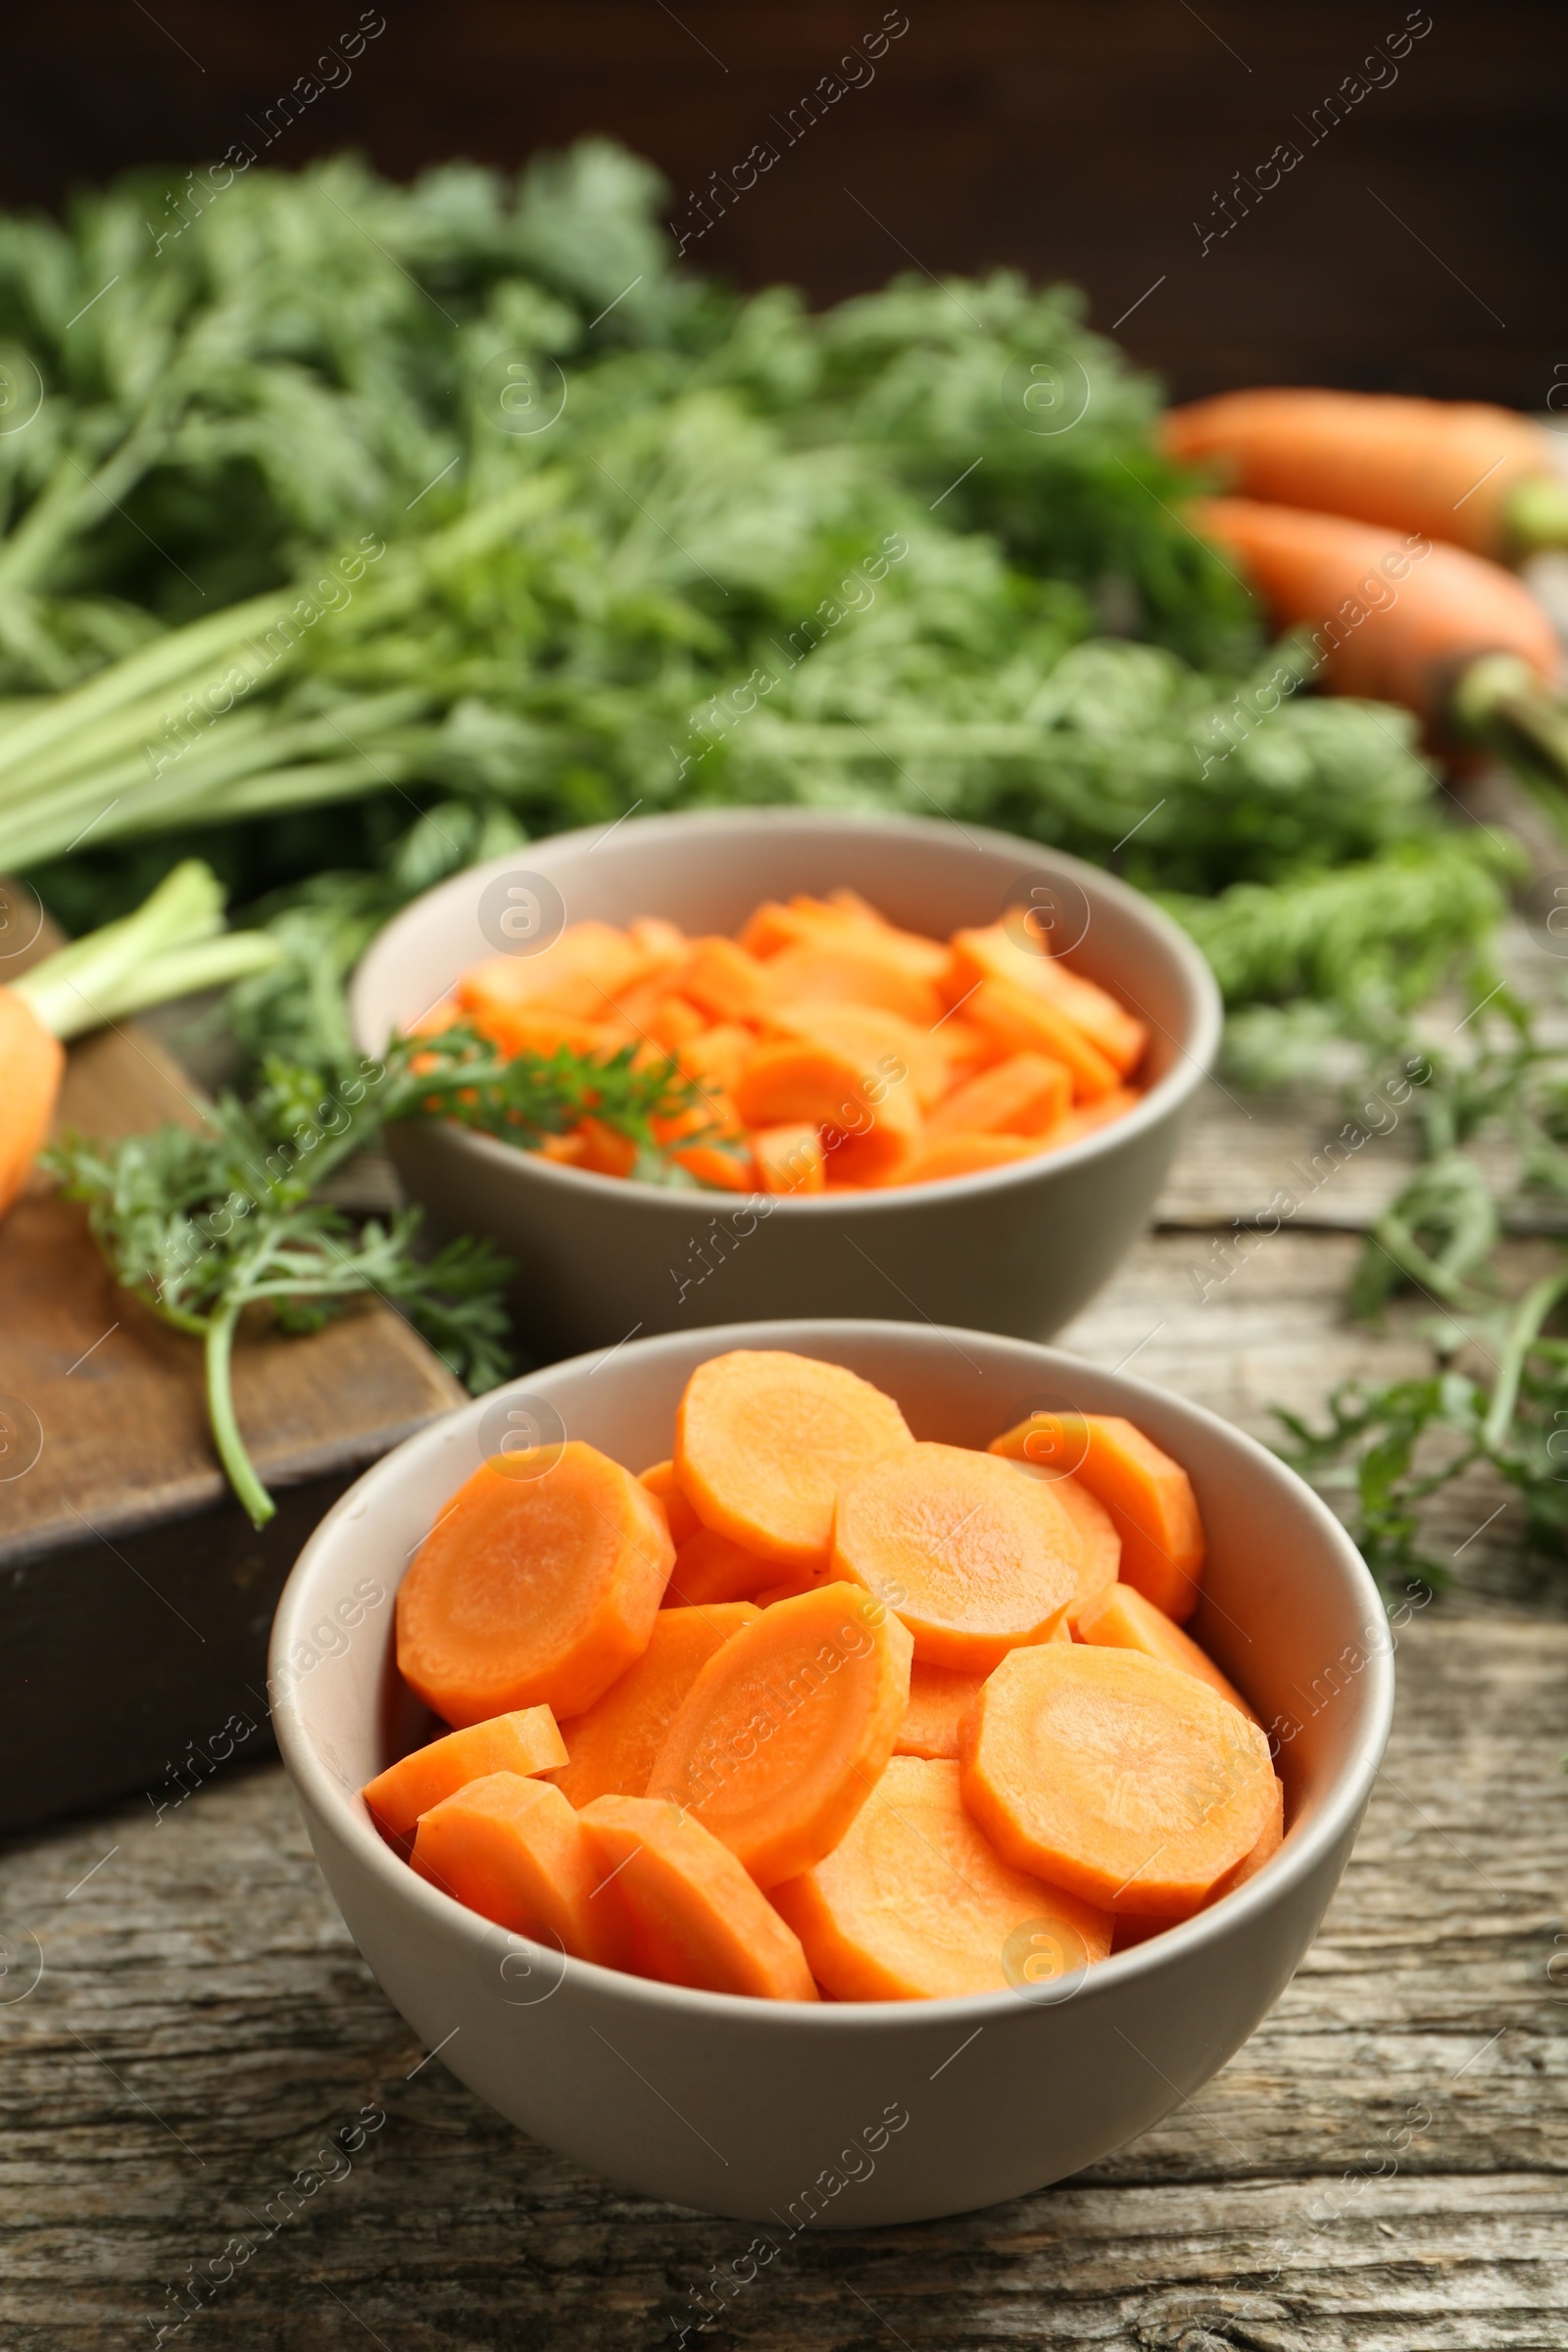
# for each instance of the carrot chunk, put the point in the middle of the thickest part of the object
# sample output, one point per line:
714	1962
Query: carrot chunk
527	1742
1025	1095
789	1158
1253	1861
689	1913
939	1702
1004	952
710	1568
1027	1023
576	974
929	1161
764	1439
725	982
33	1061
974	1558
610	1749
1089	1118
787	1728
1150	1497
889	1054
1101	1564
513	1851
1119	1778
538	1586
788	1081
662	1482
1122	1619
853	969
915	1905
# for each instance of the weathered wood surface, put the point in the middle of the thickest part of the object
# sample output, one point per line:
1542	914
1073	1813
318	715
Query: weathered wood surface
1380	2169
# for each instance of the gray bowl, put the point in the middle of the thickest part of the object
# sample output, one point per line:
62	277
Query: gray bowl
782	2112
1017	1250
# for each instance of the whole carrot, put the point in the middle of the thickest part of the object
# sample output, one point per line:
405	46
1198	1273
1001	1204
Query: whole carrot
1451	636
1461	471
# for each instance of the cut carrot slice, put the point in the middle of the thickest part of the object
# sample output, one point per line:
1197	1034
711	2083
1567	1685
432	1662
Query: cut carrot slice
716	1057
609	1750
1150	1497
939	1702
790	1587
725	982
1000	954
889	1055
945	1155
790	1081
1122	1619
1025	1095
662	1482
566	1150
974	1558
787	1728
536	1029
1101	1564
1089	1118
574	974
915	1905
1027	1023
1253	1861
527	1742
726	1171
605	1151
711	1567
690	1915
538	1586
1128	1782
789	1159
513	1851
674	1023
764	1441
853	969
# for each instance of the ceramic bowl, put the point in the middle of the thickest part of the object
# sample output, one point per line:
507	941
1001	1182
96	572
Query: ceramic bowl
1016	1249
854	2114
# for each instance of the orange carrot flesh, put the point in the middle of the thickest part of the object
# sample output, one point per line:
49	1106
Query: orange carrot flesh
789	1159
527	1743
1027	1023
1006	951
31	1064
722	980
1148	1497
513	1851
915	1905
1025	1095
1122	1619
764	1441
1128	1782
891	1058
1253	1861
712	1568
610	1749
538	1586
662	1482
974	1558
1101	1563
1088	1118
690	1915
939	1702
1396	623
852	970
936	1159
787	1728
1447	468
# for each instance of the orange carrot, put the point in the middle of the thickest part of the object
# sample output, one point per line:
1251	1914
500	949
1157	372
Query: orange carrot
662	1482
674	1023
576	974
605	1151
789	1159
689	1913
537	1586
1025	1095
527	1741
1089	1118
974	1558
1122	1619
794	1081
715	1059
515	1851
889	1054
1121	1779
1026	1024
853	969
725	982
1454	470
939	1702
1006	951
1253	1861
609	1750
1150	1497
1101	1563
787	1728
932	1160
711	1567
31	1064
915	1905
726	1171
764	1439
1395	622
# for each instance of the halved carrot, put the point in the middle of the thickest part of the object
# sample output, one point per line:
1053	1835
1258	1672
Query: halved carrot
1150	1497
853	969
787	1728
537	1586
690	1915
1123	1780
1004	952
662	1482
527	1742
1025	1095
1122	1619
915	1905
610	1749
764	1441
789	1159
932	1160
711	1567
1101	1564
1026	1024
32	1061
939	1700
1253	1861
513	1851
725	982
974	1558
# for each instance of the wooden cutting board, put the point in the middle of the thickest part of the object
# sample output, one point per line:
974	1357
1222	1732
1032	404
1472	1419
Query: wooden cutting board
135	1596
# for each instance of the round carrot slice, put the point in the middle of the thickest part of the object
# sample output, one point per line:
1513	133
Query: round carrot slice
527	1741
662	1482
513	1849
915	1905
1148	1497
609	1750
939	1702
1122	1619
1101	1564
787	1728
538	1586
974	1558
1121	1779
689	1913
764	1441
709	1568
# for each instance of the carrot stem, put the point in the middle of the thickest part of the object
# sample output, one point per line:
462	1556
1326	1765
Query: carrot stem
242	1473
1537	514
1499	702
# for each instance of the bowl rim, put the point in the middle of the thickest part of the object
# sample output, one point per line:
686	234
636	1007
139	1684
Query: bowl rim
1301	1854
1193	1061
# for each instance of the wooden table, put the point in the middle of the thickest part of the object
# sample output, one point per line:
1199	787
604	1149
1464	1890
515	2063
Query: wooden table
1381	2167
